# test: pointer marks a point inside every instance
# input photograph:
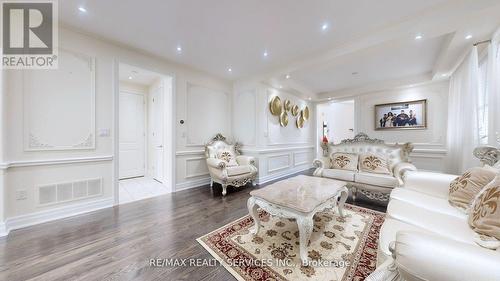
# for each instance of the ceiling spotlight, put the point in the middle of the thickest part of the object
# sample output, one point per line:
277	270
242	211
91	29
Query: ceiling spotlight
329	98
444	75
130	78
309	98
324	26
82	9
179	49
280	86
468	37
418	37
287	76
265	54
229	70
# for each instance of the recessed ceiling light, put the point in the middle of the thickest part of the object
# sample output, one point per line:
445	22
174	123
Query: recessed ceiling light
82	9
444	75
329	98
287	76
265	54
229	70
468	37
179	49
280	86
130	78
309	98
418	37
324	26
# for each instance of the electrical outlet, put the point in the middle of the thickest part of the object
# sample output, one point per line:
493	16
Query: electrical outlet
21	194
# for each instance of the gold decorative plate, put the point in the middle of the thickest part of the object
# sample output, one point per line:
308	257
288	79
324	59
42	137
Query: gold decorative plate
287	105
300	121
295	110
275	106
284	119
305	113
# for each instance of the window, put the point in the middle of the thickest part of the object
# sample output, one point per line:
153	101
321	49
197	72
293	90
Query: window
483	102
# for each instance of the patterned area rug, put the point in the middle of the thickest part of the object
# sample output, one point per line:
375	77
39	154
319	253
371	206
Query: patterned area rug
339	248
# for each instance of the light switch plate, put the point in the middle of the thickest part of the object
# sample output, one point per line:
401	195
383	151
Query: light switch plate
104	132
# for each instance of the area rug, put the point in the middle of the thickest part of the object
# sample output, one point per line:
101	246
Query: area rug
340	248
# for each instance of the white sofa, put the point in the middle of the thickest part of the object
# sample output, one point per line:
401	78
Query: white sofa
425	238
374	186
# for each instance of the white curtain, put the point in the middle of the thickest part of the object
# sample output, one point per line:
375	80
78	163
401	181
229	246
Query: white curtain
493	88
463	126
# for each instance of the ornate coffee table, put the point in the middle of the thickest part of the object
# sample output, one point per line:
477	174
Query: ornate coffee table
300	198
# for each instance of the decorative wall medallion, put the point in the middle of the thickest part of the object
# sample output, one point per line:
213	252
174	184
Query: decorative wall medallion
275	106
295	110
300	122
284	119
34	142
305	113
88	142
287	105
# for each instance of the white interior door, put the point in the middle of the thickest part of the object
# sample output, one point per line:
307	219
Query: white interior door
156	134
132	135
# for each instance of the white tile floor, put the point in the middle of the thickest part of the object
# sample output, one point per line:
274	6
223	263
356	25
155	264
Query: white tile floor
140	188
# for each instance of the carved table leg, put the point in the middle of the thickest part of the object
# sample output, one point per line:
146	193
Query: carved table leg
224	190
211	183
343	197
252	209
305	225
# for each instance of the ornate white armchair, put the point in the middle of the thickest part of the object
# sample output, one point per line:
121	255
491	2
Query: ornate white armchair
226	164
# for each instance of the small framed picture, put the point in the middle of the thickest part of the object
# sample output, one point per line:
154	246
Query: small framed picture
401	115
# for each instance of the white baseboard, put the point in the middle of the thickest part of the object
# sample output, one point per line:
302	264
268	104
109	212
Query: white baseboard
282	174
54	214
192	184
3	229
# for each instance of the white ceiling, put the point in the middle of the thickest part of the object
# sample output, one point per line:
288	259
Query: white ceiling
373	38
137	75
388	61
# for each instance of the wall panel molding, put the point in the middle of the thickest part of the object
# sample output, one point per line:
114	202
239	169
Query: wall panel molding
59	161
63	98
191	174
271	168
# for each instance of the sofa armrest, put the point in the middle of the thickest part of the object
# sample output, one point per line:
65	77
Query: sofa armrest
216	163
400	169
434	184
318	163
245	160
422	256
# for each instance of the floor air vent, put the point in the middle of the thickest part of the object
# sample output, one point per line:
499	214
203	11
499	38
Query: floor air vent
69	191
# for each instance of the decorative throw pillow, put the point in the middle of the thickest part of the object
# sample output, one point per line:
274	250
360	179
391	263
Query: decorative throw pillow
344	161
374	163
228	157
464	188
484	217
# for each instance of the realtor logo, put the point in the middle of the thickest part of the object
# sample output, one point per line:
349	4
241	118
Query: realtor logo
29	35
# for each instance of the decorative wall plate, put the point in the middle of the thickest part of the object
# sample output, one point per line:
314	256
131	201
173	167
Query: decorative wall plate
275	106
295	110
300	121
284	119
305	113
287	105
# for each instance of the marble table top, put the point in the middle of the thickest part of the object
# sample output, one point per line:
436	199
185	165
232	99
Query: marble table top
301	193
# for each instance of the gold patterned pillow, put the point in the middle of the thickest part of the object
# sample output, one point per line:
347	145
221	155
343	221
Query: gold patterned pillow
484	216
344	161
464	188
228	157
374	163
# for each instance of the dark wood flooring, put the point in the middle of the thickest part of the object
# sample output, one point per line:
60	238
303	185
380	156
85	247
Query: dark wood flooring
117	243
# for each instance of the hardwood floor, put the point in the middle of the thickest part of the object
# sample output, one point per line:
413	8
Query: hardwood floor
117	243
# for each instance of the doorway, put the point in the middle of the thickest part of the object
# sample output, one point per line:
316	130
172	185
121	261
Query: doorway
336	121
144	148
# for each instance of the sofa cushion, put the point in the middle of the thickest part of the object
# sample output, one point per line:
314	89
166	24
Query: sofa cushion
228	157
388	234
339	174
376	179
445	225
484	217
344	161
464	188
238	170
426	201
374	163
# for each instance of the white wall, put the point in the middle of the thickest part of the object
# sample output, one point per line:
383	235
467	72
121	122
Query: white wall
279	151
430	144
340	120
29	169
